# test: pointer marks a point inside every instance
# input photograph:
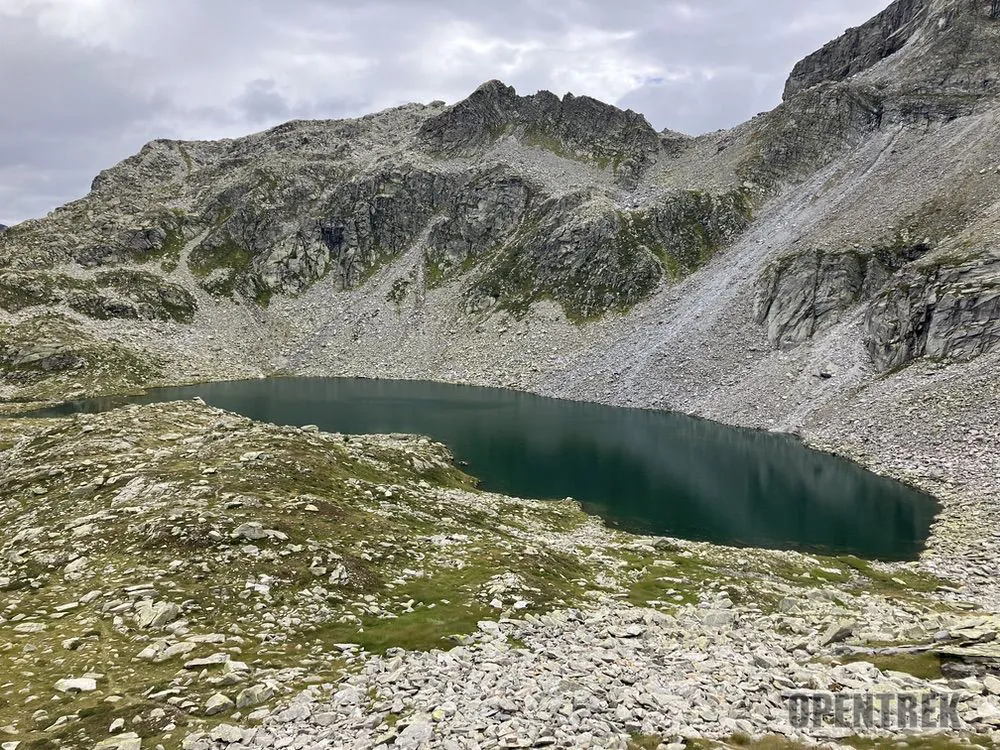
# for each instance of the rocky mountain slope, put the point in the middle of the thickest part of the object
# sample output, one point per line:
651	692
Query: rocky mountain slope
530	192
831	268
500	204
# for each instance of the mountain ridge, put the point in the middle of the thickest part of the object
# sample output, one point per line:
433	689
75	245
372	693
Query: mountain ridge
511	202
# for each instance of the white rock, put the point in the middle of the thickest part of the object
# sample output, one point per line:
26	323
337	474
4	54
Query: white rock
251	531
151	651
30	627
227	733
77	685
718	618
76	568
178	649
837	632
253	695
218	703
209	661
151	614
992	685
415	736
127	741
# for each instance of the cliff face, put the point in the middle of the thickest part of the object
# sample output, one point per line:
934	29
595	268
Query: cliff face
801	295
930	59
941	311
859	48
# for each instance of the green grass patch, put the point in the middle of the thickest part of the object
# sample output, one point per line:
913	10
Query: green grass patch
897	582
229	255
400	288
919	742
644	742
422	630
923	665
225	269
437	273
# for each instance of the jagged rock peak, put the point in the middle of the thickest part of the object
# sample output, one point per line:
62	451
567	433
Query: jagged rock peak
575	126
859	48
939	44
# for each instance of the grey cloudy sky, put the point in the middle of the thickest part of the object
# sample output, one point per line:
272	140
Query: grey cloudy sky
84	83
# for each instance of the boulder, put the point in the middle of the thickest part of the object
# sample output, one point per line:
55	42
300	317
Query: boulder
837	632
254	695
151	614
76	685
126	741
218	704
415	736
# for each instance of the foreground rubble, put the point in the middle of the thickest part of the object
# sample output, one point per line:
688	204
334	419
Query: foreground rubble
177	575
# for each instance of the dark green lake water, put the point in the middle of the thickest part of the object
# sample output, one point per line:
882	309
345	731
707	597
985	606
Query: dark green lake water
645	471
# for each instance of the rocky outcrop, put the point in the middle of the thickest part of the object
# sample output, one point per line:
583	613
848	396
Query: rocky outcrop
943	59
802	294
516	242
859	48
51	354
270	240
913	308
2	227
577	127
810	131
605	259
257	217
120	293
943	67
939	311
576	252
134	295
304	203
478	218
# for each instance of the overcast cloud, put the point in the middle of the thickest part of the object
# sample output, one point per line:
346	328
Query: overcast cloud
84	83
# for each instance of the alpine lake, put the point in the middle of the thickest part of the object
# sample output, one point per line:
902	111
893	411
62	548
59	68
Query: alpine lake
648	472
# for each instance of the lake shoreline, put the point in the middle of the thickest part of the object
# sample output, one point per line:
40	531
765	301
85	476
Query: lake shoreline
658	470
